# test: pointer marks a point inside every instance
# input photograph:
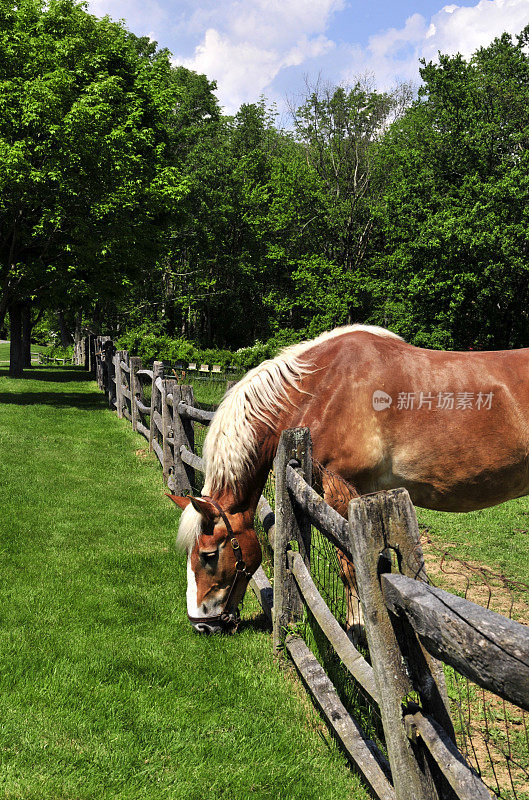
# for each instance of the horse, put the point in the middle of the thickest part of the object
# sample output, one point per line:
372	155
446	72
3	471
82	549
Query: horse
450	427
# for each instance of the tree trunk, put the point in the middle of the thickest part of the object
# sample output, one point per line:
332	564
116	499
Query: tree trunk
26	335
16	360
77	336
66	336
3	310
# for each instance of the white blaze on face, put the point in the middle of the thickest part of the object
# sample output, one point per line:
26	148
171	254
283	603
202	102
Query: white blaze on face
192	605
191	594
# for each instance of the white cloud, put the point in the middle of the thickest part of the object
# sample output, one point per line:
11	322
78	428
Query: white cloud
464	29
252	47
390	56
394	54
252	40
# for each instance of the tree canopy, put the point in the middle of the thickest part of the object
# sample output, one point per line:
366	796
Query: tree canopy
92	128
454	218
130	203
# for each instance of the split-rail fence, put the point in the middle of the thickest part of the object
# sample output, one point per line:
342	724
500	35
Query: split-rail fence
411	627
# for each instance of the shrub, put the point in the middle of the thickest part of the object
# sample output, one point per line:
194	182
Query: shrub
152	345
57	351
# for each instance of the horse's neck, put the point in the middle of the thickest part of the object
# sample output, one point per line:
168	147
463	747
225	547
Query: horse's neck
250	491
269	441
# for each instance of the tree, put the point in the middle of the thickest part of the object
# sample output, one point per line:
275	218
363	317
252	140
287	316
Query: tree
89	171
216	249
454	219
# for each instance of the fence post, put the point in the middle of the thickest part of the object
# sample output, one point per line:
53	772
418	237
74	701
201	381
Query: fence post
157	372
108	371
135	390
183	479
167	428
127	385
81	352
90	354
97	359
402	532
295	448
101	377
119	382
370	547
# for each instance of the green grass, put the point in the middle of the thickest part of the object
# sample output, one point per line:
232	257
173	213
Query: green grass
4	350
496	537
208	390
105	690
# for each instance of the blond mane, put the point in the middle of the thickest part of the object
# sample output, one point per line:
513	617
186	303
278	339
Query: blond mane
230	444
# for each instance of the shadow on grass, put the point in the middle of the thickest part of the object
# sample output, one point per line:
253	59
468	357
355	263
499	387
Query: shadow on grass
257	623
52	375
85	400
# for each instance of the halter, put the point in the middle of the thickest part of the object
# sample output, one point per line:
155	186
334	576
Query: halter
227	619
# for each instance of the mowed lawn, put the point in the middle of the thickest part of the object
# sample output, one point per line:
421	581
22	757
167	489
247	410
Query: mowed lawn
4	351
105	691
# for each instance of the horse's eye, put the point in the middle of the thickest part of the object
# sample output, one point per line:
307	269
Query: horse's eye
208	558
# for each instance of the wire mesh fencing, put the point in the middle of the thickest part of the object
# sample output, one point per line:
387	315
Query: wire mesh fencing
492	734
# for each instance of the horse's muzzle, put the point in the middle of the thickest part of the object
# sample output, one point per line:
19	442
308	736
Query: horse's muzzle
227	622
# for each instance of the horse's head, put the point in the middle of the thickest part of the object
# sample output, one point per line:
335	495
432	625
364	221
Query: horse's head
223	552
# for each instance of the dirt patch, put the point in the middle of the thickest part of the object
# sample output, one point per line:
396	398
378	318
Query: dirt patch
492	733
475	581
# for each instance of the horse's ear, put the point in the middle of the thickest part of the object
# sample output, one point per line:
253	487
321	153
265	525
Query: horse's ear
204	507
181	502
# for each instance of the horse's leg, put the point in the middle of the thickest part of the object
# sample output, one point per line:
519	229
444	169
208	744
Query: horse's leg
337	493
354	625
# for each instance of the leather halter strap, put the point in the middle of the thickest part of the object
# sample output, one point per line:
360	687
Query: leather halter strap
227	619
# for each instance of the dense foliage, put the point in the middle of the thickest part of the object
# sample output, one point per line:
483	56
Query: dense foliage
454	219
131	206
150	345
90	157
373	208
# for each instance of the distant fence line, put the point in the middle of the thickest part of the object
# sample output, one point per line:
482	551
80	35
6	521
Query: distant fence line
152	399
411	626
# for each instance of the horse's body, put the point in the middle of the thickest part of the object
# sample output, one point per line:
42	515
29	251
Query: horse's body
452	428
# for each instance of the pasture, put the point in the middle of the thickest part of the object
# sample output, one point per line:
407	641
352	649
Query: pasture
496	537
4	351
105	690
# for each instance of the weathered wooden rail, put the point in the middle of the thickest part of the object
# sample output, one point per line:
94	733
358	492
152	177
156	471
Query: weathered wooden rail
411	627
164	419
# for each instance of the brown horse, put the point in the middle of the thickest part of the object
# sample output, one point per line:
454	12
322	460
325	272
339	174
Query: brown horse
452	428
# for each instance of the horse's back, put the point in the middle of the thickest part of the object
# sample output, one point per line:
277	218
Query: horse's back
452	427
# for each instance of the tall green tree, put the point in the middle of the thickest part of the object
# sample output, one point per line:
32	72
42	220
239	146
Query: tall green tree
216	251
454	219
89	173
338	129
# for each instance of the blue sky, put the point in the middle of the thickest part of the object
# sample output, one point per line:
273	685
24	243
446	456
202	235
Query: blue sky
273	47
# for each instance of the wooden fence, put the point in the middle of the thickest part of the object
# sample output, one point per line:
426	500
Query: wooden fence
411	627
